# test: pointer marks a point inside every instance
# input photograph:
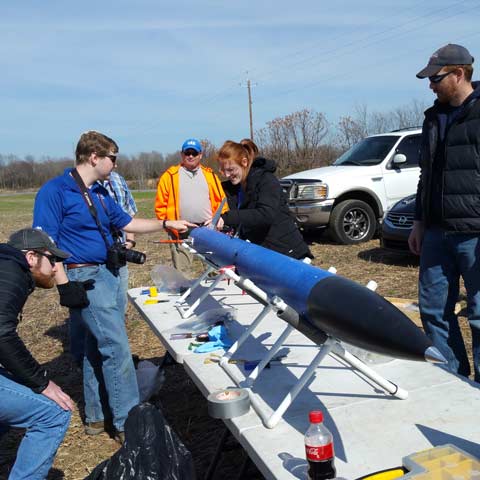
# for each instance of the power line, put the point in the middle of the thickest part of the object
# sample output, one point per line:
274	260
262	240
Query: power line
376	63
355	43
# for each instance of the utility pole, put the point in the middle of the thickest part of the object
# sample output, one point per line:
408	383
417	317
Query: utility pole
249	89
250	108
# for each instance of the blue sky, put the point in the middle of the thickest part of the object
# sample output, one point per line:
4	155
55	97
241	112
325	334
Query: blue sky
150	73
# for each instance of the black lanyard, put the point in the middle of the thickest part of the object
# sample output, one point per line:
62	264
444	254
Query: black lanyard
91	206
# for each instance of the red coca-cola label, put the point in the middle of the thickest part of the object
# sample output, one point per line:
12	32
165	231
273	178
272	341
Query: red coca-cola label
320	453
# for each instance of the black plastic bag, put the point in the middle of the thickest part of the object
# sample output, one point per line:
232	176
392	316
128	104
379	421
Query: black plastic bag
151	451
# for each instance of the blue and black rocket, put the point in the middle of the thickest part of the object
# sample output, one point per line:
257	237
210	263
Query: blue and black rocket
325	302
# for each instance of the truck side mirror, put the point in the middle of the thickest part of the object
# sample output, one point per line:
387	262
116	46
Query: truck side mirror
399	158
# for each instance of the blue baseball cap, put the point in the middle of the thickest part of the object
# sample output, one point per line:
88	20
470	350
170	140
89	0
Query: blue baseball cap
192	143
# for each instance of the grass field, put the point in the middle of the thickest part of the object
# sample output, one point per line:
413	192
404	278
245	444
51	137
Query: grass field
43	330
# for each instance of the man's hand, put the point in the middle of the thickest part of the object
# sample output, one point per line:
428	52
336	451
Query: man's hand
74	294
130	241
55	393
179	225
416	237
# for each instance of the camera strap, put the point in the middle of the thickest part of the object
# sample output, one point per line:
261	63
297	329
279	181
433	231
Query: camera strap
91	206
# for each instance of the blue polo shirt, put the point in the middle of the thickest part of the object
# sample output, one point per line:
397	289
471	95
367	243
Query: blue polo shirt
62	212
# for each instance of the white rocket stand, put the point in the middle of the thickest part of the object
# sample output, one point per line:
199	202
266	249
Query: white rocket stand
186	312
271	418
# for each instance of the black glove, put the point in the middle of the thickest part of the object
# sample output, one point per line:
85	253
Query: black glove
74	294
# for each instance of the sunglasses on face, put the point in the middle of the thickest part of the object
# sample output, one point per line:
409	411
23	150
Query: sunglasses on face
113	158
439	78
191	153
51	258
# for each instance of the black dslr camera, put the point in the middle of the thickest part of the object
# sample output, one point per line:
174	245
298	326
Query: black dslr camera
118	254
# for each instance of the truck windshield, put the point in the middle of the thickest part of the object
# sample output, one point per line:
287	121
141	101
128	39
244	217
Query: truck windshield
370	151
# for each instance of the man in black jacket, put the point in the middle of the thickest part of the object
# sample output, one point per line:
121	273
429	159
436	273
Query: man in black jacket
28	398
446	231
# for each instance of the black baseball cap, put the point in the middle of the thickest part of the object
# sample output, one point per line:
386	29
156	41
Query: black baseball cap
35	239
450	54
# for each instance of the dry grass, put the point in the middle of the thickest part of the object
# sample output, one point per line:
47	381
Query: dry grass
43	330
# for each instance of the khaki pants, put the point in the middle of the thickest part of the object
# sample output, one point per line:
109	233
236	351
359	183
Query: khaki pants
182	258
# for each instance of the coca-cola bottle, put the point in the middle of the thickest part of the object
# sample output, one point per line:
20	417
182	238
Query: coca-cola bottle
319	448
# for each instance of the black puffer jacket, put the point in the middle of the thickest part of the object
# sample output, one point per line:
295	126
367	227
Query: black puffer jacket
16	284
263	216
460	177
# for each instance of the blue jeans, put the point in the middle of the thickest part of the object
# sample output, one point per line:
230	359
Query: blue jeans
123	275
76	327
109	381
444	258
46	425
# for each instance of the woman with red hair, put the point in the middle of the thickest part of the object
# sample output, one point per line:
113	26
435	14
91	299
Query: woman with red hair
258	208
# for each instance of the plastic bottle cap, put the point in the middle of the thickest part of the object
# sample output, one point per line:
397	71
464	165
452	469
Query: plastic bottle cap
316	416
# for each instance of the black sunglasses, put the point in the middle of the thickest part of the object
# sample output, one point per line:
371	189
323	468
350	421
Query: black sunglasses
439	78
113	158
51	258
191	153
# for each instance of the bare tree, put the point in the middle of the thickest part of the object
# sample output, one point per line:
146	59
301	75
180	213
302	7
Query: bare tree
209	150
410	115
351	130
294	140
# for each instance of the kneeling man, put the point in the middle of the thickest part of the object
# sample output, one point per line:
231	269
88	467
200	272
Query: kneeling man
29	399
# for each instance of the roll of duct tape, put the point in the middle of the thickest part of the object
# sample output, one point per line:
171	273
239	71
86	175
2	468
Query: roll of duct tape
228	403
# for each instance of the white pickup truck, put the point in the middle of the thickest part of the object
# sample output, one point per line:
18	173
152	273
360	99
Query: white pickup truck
351	196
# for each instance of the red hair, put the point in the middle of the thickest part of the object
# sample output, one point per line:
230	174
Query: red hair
235	152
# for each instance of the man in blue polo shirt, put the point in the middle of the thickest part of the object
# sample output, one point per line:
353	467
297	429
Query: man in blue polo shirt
117	188
63	209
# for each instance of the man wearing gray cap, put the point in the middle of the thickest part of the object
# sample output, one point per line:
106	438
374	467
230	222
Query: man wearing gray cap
446	230
29	398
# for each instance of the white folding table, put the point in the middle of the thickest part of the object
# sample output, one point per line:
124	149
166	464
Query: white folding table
372	430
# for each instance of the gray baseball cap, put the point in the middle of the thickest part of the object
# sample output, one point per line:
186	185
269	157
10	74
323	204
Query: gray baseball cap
450	54
35	239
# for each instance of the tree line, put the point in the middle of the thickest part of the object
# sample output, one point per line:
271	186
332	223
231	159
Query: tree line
297	141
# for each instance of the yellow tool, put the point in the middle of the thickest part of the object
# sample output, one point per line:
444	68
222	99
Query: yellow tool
152	301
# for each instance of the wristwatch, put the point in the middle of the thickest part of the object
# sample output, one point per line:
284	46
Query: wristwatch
164	224
133	242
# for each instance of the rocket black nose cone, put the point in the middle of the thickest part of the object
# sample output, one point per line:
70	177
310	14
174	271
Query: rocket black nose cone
353	313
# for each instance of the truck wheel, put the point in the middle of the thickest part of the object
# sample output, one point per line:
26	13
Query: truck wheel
352	221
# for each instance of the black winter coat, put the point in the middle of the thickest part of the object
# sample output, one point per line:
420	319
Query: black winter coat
460	189
16	284
263	216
